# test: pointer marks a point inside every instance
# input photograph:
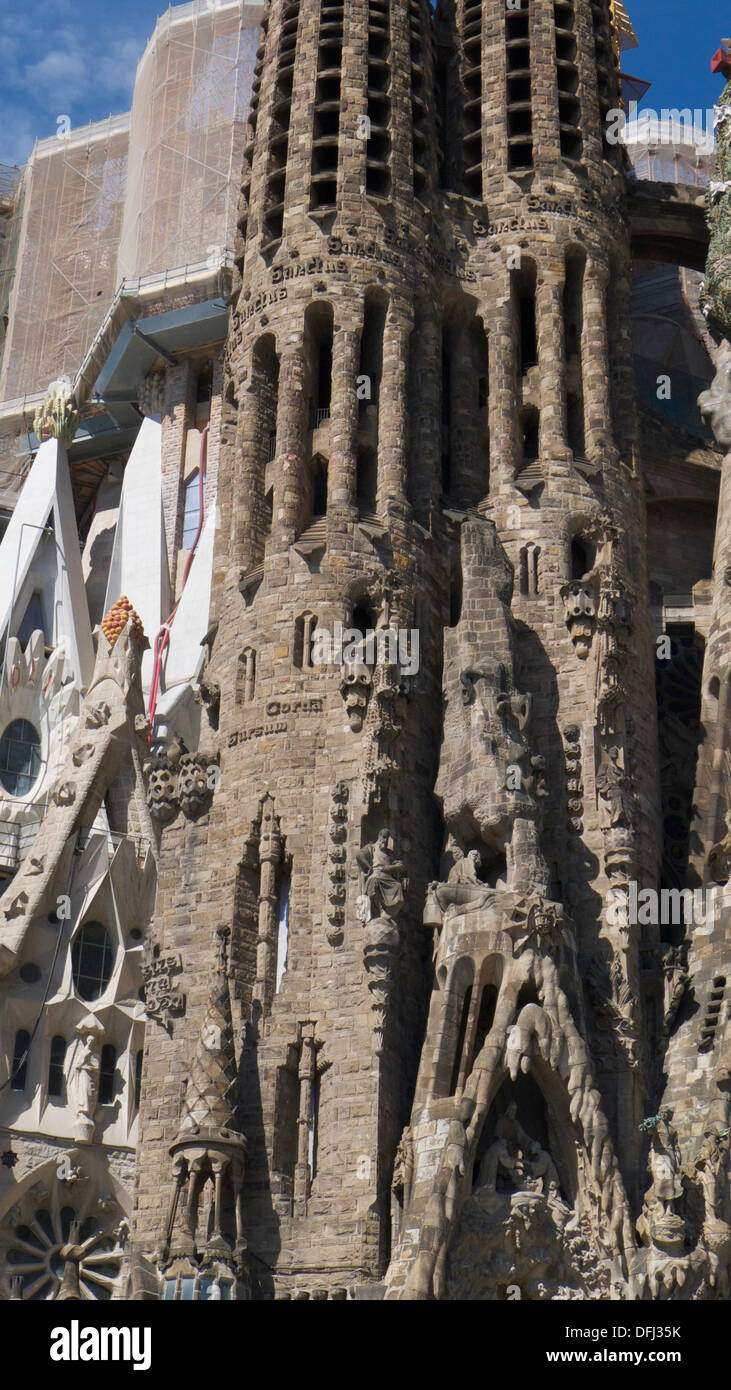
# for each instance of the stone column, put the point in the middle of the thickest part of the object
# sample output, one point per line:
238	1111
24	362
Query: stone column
292	432
248	478
343	423
393	420
595	362
306	1073
504	433
552	365
270	851
619	317
424	484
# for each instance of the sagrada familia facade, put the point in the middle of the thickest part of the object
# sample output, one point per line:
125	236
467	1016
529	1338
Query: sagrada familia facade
364	754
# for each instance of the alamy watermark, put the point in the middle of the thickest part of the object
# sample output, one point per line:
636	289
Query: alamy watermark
644	907
385	645
670	125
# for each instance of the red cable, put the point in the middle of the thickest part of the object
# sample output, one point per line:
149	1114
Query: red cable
162	639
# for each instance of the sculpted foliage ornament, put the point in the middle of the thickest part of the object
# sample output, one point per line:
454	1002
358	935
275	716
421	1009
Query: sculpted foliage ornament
57	416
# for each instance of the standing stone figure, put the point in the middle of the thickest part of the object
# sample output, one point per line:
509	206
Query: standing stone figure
84	1079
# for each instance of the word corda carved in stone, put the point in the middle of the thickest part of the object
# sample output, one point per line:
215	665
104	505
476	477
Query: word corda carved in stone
384	881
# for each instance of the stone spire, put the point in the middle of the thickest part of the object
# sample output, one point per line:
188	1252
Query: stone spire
210	1149
211	1098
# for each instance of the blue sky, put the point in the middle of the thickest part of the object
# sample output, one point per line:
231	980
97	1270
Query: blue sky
73	58
78	58
677	40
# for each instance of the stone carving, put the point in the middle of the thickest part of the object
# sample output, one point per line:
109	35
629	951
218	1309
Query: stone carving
163	1002
464	890
580	614
96	716
659	1223
65	795
204	1224
675	983
615	791
384	878
490	786
336	861
83	1084
383	726
380	905
521	1160
57	416
355	687
574	783
162	799
196	783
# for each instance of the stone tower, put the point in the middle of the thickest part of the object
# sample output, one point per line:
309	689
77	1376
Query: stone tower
424	841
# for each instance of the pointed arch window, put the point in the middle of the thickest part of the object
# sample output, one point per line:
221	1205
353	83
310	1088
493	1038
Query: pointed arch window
107	1074
192	508
92	960
56	1061
19	1069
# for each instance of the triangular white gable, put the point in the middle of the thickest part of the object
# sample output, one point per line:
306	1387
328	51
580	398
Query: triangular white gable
177	710
30	560
139	565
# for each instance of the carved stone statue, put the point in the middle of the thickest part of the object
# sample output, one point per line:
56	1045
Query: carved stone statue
614	788
542	1172
464	887
711	1169
385	878
675	981
83	1086
506	1152
659	1224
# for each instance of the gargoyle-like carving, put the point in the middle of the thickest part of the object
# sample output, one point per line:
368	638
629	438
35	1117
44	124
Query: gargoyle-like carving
355	687
580	614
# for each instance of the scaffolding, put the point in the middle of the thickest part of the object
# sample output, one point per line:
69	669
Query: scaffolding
670	150
133	196
187	136
67	232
